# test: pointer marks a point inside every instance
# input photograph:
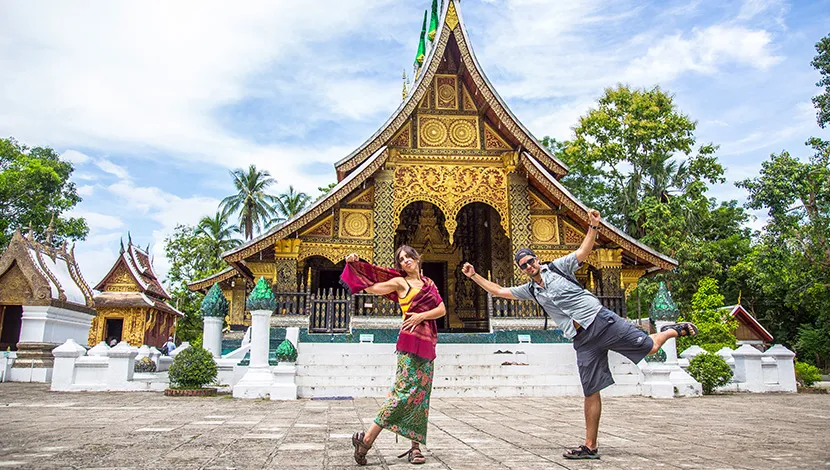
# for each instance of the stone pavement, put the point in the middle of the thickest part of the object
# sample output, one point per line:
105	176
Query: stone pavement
42	429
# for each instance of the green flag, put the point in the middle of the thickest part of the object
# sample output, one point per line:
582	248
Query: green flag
433	21
422	47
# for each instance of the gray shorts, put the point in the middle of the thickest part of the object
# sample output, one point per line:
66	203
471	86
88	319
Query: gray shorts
608	332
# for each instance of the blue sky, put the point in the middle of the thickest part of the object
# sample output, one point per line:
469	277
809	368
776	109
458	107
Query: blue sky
155	102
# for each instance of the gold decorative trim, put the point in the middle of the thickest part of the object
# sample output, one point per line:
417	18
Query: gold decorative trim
572	235
546	256
467	101
450	187
263	269
603	258
356	223
629	278
402	138
536	203
334	252
544	229
287	248
452	16
446	91
324	228
447	132
492	139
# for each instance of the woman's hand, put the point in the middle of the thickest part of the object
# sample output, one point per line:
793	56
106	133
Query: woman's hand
412	321
352	258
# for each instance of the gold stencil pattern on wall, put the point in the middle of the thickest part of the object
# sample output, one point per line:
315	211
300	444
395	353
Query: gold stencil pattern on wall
121	281
450	187
448	132
492	140
468	104
426	100
402	138
536	203
446	92
573	236
325	228
356	223
364	198
544	229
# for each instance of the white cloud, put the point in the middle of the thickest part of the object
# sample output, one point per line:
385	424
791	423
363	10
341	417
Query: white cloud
703	51
753	8
113	169
98	222
75	157
86	190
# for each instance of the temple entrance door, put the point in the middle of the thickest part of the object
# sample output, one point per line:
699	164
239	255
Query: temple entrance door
114	327
11	318
437	271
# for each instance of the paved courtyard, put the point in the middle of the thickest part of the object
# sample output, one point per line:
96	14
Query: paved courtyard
42	429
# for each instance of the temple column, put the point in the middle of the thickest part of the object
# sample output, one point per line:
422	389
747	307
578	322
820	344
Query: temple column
383	244
258	379
519	202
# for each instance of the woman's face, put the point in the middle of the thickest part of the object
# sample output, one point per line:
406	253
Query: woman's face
408	263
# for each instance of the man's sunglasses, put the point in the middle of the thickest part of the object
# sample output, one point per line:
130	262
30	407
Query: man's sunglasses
527	263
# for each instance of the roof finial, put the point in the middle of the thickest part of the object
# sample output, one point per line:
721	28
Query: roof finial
129	239
50	232
403	92
147	250
422	47
122	246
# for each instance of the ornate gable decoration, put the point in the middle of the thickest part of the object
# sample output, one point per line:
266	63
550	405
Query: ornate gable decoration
403	137
573	235
447	132
467	101
33	273
492	139
365	198
324	228
120	280
356	223
446	92
544	229
536	203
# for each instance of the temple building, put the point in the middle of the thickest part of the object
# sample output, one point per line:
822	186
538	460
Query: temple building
44	301
457	176
132	305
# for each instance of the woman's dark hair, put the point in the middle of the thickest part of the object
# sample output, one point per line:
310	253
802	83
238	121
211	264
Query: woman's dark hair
409	251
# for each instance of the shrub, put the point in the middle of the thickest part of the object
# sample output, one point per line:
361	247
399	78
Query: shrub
806	374
710	370
192	368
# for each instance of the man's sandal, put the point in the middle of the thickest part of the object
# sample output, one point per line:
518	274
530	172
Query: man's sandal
414	456
682	329
360	448
582	452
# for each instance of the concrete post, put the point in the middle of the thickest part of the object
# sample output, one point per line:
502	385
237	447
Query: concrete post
786	368
121	365
212	335
65	357
748	370
258	380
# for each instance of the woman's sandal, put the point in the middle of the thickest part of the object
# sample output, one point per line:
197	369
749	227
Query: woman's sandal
582	452
414	456
682	329
360	448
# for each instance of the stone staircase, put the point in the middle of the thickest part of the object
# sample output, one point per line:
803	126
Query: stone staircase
468	370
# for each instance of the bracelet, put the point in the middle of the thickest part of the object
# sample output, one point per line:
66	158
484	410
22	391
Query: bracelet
595	227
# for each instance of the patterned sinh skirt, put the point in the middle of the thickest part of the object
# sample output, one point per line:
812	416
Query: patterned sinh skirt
406	408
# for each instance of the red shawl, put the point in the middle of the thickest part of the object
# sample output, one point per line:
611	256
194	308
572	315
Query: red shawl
421	342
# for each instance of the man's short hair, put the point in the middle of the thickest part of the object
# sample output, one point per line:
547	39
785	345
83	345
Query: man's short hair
522	253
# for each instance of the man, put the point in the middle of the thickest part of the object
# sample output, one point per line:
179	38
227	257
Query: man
595	330
168	347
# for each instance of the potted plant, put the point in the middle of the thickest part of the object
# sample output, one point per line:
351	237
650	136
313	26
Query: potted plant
191	370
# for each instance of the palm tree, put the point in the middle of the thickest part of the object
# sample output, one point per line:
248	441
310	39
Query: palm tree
251	200
289	204
218	231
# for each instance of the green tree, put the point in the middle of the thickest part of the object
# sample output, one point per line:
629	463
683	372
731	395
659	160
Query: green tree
628	146
325	189
715	329
218	230
289	204
35	186
192	257
251	201
821	62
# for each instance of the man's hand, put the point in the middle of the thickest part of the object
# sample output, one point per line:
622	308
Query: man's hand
412	321
593	217
352	258
468	270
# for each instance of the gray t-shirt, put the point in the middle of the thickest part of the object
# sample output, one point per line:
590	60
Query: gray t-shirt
561	298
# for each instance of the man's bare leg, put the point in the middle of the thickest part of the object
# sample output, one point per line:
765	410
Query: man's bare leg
593	410
661	338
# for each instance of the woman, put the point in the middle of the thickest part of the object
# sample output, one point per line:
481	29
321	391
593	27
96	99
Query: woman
406	408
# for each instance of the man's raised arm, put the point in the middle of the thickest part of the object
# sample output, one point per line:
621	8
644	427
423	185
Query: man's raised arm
587	246
489	286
